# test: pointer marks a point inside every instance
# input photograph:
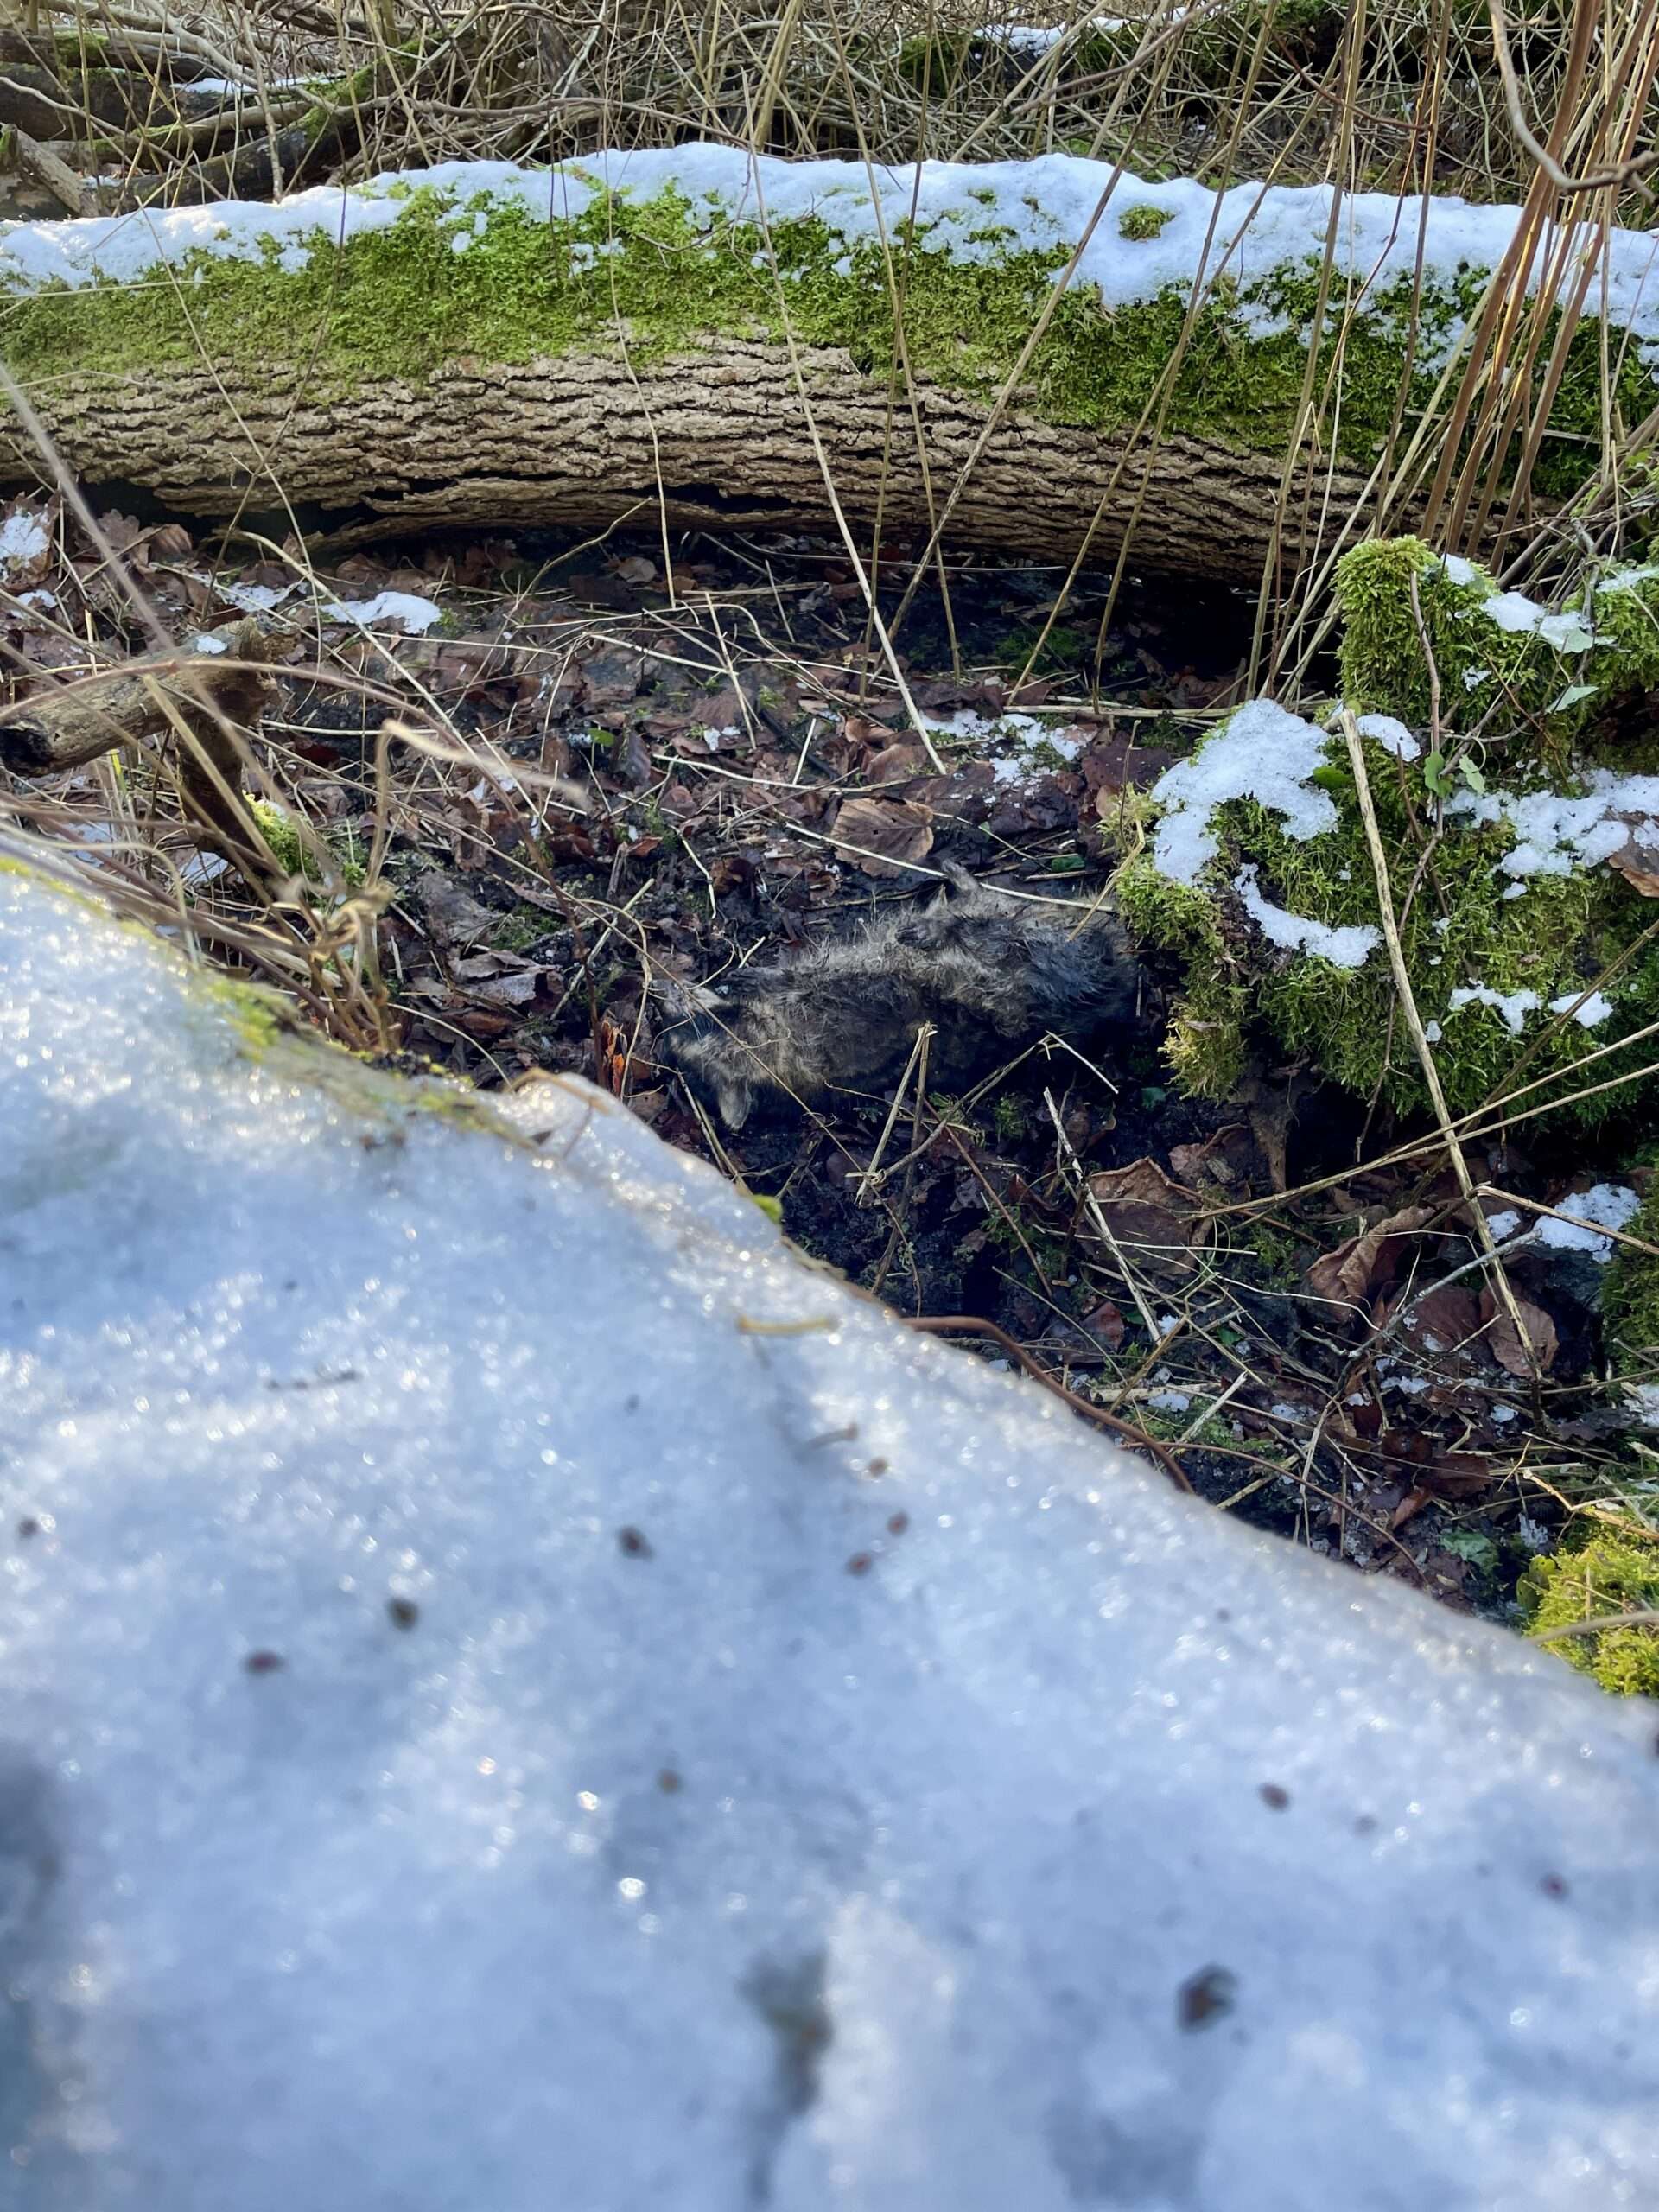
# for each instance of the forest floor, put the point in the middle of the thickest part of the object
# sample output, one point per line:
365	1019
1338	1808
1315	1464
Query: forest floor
601	777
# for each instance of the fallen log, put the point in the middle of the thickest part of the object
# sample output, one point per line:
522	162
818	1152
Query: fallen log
685	334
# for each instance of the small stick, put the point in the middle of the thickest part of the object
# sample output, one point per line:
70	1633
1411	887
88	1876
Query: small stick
1644	1619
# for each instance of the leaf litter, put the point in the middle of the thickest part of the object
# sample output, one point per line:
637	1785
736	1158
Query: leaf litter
588	787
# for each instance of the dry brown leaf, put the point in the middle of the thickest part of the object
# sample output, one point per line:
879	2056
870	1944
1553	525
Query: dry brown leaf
454	917
1104	1325
1355	1268
1442	1318
879	834
1144	1207
1223	1158
1506	1346
896	763
1638	863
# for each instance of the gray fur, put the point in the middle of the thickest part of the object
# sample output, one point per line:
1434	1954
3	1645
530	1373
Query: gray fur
991	973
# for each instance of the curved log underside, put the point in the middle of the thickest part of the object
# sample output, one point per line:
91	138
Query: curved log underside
737	435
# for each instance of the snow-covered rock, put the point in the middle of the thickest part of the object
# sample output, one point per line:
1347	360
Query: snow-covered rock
520	1694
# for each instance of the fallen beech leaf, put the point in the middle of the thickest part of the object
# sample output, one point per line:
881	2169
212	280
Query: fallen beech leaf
454	917
1442	1318
896	763
505	994
1638	863
1144	1207
879	834
1506	1346
1357	1267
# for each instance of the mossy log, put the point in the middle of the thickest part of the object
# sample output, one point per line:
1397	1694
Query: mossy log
489	345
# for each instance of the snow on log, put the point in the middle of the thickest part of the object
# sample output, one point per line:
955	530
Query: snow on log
520	1692
690	333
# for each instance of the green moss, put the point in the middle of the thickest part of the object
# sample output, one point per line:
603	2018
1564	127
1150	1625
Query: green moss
1145	221
403	301
1630	1300
1558	687
295	855
521	931
1457	929
1608	1573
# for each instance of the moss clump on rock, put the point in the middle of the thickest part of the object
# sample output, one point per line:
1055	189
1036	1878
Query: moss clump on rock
1608	1573
1555	675
1497	961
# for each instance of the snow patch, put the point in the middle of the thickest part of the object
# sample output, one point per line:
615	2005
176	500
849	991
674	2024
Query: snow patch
1029	736
1249	234
417	615
23	537
1591	1014
442	1723
1513	1006
1556	832
1393	736
1347	946
1609	1205
1261	753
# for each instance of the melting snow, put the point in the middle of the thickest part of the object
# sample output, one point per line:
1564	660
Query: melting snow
1569	632
1260	752
1393	736
975	212
1514	1006
1348	946
1608	1205
1557	831
23	536
449	1763
1025	732
1611	1206
1591	1014
417	615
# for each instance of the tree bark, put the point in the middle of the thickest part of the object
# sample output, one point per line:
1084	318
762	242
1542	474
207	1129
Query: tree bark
720	438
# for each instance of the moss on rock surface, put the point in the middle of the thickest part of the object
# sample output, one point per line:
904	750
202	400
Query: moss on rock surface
1607	1574
1557	669
1505	960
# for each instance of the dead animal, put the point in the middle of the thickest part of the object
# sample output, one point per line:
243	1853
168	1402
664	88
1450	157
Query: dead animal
989	973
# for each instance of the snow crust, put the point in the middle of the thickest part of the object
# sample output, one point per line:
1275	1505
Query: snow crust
975	212
814	1771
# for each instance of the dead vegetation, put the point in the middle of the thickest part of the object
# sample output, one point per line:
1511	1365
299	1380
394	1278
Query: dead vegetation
501	803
